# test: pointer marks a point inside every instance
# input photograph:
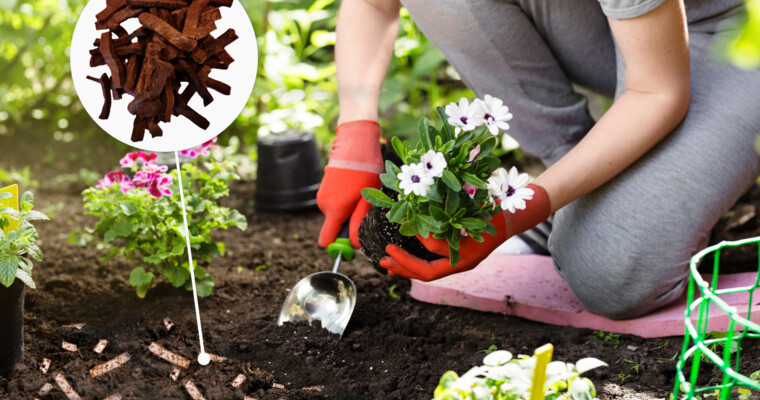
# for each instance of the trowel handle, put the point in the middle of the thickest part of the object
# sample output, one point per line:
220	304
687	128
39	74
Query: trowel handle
342	246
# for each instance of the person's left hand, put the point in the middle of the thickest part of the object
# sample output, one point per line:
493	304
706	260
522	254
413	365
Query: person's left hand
401	263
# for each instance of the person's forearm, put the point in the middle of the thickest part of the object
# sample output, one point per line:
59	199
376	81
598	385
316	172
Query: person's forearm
655	47
632	126
366	32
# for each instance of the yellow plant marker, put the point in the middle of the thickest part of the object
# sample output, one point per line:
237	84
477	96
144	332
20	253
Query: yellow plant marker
12	203
543	357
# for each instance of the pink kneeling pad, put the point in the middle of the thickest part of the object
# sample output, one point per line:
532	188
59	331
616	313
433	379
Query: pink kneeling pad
527	286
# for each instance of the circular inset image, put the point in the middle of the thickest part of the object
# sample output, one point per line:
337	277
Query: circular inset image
164	75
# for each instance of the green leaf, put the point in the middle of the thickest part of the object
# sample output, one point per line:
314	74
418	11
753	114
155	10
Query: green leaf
409	228
119	229
204	283
429	222
472	223
433	194
486	147
452	202
399	147
35	216
8	268
451	181
424	131
391	168
490	229
154	258
5	195
389	180
176	275
27	201
34	251
398	212
26	278
141	280
453	254
472	180
438	213
377	198
446	128
129	208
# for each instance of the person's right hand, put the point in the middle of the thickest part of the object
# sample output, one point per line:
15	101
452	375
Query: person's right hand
355	163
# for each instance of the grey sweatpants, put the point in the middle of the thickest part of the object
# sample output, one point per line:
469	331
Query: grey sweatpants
623	248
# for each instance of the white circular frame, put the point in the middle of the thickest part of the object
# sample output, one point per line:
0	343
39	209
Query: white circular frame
180	133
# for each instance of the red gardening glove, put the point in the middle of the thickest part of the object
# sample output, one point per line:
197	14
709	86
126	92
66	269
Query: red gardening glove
401	263
355	163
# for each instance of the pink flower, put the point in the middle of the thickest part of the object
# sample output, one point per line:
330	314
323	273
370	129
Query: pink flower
463	232
125	184
202	150
473	153
110	178
155	169
115	177
143	179
469	189
130	159
160	187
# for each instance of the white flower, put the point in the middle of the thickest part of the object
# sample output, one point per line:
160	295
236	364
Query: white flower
465	116
510	189
581	389
414	178
494	113
496	358
434	163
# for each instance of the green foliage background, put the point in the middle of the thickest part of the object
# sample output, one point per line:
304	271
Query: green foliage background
295	86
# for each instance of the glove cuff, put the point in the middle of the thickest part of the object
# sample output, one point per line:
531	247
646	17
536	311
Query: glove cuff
357	146
363	124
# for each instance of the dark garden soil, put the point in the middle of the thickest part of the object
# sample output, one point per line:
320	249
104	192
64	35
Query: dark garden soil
394	347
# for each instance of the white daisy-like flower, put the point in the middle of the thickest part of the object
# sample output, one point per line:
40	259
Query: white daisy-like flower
494	113
414	179
464	116
434	162
510	189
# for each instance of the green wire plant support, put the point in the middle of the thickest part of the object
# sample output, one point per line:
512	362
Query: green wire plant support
700	345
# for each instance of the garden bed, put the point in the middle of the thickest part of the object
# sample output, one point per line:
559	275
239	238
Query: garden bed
394	347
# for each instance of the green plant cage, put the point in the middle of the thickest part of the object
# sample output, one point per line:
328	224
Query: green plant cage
700	346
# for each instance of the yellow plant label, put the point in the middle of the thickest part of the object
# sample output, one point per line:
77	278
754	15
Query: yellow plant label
11	202
543	357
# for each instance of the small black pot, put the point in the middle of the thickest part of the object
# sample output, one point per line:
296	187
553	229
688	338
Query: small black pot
12	333
289	171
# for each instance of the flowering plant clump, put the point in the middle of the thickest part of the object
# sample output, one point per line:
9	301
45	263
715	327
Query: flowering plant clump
19	245
505	378
141	216
450	185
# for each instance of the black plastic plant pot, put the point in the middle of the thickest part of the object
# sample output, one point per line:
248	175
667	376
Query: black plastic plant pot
289	171
12	332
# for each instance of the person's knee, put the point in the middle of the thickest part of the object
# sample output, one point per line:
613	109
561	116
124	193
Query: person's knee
622	285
